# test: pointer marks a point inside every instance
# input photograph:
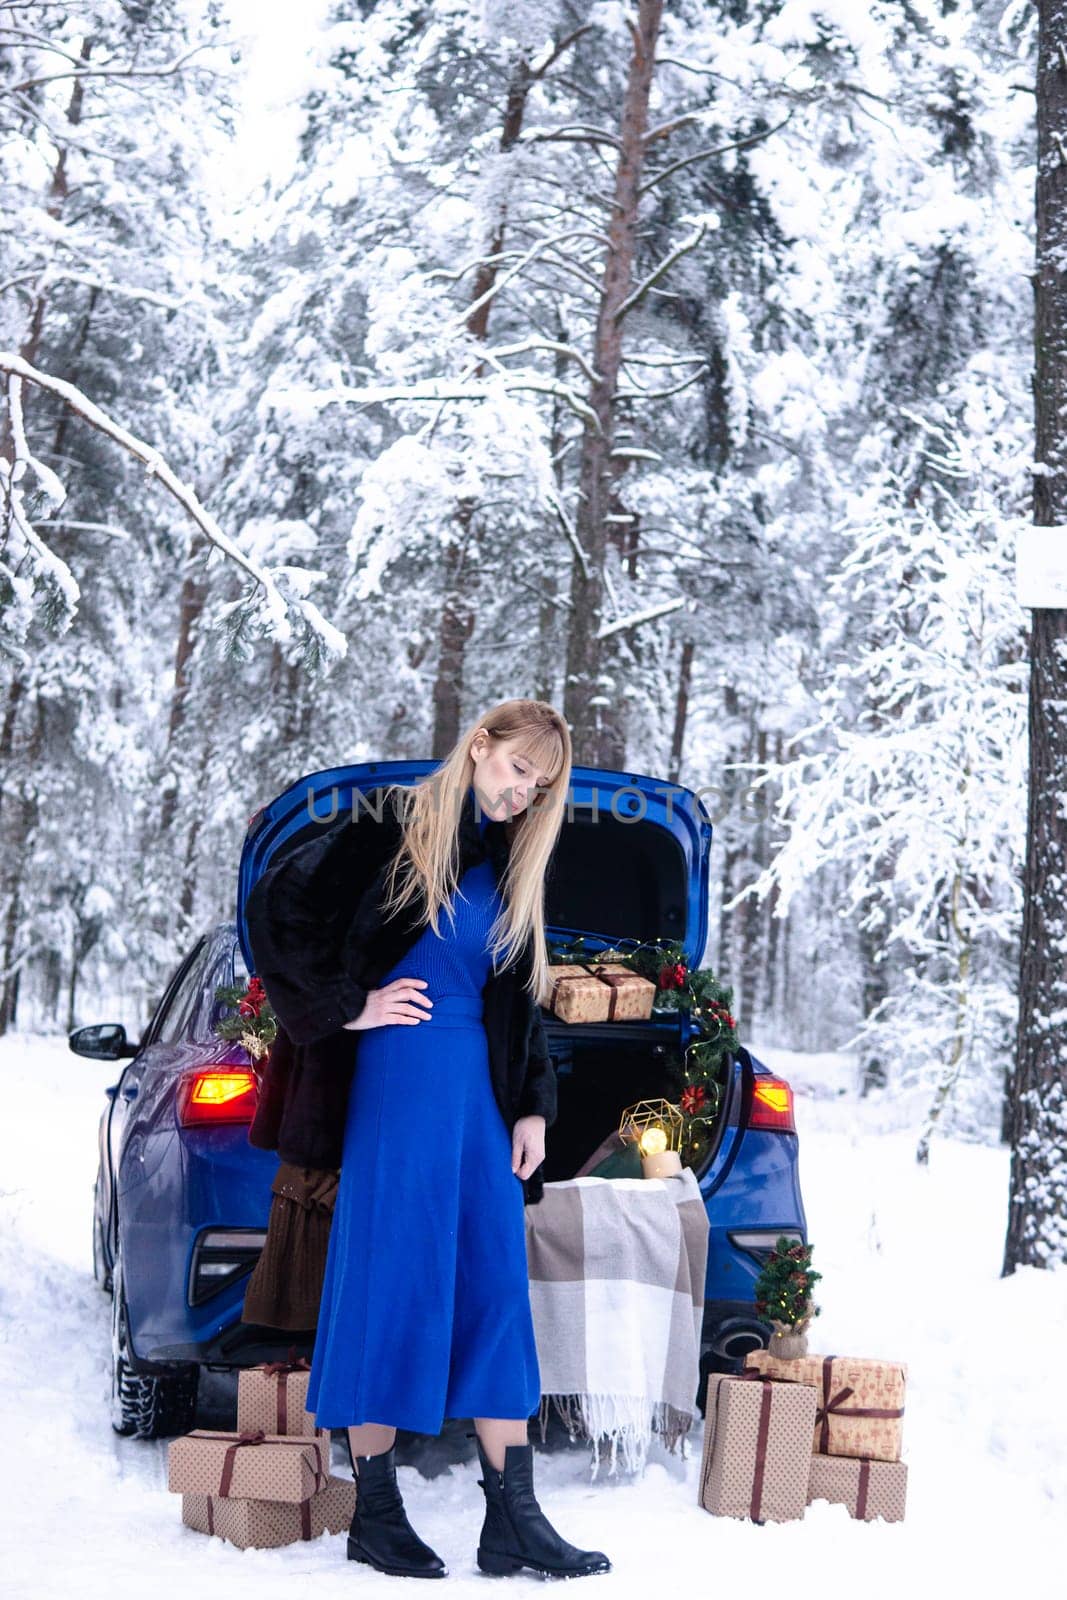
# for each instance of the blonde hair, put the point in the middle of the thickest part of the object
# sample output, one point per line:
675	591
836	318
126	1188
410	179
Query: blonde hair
427	861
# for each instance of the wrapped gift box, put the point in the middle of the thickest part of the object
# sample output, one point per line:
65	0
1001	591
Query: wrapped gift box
861	1400
271	1399
631	994
868	1488
253	1466
267	1524
757	1448
576	995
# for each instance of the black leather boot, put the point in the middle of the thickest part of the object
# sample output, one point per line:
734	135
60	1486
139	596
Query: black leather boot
516	1533
381	1534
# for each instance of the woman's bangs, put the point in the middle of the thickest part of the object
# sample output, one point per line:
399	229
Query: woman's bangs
544	752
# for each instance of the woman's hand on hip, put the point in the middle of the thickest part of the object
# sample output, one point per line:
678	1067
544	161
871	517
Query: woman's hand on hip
399	1001
527	1145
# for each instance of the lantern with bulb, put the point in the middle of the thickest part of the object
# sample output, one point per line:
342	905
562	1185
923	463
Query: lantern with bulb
655	1127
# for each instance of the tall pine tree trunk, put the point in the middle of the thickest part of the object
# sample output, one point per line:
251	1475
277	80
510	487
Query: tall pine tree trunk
593	702
457	614
190	608
454	629
1037	1211
757	955
553	604
775	932
20	822
681	711
874	977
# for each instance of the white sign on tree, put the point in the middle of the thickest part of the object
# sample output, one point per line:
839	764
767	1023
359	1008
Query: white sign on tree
1041	566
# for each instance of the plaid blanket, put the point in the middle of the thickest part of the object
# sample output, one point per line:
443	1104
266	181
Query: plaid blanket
617	1269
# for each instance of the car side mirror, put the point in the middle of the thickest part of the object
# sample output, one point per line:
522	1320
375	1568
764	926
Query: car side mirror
103	1041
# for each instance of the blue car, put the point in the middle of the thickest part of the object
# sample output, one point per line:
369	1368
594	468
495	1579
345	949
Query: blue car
182	1199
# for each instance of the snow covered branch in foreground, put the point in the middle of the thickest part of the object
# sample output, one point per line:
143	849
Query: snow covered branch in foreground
434	392
275	602
637	619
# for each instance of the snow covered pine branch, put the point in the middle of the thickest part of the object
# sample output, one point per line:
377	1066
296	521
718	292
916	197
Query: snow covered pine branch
275	604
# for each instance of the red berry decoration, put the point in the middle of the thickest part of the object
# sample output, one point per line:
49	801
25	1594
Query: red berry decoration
252	1001
673	976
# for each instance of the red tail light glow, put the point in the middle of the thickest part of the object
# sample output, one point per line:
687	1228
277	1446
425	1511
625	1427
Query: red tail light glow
216	1094
772	1106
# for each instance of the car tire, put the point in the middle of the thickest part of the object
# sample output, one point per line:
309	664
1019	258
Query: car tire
154	1405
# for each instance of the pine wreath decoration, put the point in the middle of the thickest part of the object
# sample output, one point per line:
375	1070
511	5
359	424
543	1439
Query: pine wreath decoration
252	1022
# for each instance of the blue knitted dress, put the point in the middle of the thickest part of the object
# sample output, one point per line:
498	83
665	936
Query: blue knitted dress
425	1310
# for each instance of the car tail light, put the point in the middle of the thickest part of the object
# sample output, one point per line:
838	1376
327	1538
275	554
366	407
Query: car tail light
216	1095
772	1106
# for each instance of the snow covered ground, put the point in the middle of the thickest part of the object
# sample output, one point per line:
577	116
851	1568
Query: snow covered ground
910	1260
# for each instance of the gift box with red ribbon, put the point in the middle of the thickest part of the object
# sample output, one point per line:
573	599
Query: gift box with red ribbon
631	995
861	1400
271	1398
757	1447
250	1465
607	991
268	1524
576	995
868	1488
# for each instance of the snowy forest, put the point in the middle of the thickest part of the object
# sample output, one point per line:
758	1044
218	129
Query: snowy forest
366	363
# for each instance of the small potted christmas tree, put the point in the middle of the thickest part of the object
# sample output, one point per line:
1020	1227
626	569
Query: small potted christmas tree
783	1297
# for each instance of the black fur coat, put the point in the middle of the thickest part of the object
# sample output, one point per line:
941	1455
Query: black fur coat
319	943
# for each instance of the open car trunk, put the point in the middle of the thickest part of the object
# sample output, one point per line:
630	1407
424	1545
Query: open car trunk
631	866
601	1068
628	869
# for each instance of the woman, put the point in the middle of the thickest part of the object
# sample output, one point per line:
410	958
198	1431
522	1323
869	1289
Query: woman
425	1310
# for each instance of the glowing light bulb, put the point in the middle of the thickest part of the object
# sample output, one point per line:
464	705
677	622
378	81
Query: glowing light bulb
653	1141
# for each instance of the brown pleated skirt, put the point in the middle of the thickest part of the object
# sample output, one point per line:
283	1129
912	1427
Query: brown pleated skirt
286	1283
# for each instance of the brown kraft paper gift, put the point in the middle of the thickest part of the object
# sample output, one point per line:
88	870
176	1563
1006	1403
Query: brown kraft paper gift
861	1400
268	1524
757	1448
868	1488
576	995
271	1399
252	1465
631	994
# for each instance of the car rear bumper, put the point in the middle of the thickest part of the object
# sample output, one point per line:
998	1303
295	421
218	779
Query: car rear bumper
241	1344
730	1328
